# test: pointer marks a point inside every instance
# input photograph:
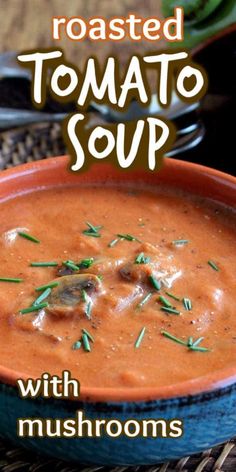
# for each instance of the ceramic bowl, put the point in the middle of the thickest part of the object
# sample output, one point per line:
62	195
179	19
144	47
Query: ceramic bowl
206	405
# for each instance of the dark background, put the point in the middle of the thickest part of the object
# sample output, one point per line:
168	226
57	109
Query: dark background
218	110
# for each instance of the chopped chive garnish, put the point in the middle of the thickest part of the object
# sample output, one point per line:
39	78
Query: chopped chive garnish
90	233
42	297
10	279
92	230
170	310
34	308
165	302
91	338
128	237
86	337
187	304
155	283
201	349
113	242
142	259
198	341
173	296
70	265
29	237
84	296
144	300
85	263
180	242
44	287
85	342
192	346
190	341
44	264
140	338
173	338
121	237
213	265
76	345
88	307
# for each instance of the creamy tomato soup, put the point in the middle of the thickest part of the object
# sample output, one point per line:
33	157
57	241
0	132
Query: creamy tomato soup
122	287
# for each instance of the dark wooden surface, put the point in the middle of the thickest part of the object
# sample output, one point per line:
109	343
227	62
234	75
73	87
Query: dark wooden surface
26	24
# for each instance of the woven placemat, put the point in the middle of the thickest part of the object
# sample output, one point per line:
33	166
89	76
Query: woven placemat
37	142
30	144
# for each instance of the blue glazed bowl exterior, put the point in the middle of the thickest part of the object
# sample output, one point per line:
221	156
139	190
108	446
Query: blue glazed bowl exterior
208	419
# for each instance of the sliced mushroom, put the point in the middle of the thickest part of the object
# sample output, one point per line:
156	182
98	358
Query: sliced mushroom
68	297
136	272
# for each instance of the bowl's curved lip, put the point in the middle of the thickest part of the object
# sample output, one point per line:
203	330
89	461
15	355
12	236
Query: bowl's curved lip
210	382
